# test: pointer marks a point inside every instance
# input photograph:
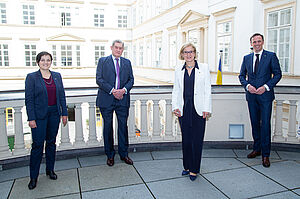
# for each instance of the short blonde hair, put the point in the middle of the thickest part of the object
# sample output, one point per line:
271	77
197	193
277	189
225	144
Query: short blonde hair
182	49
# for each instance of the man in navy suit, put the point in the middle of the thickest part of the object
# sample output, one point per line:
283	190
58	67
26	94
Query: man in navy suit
115	79
260	72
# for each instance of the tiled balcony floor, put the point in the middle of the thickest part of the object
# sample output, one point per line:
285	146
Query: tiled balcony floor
225	173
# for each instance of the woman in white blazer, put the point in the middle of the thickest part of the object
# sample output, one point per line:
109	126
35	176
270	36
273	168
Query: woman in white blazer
191	103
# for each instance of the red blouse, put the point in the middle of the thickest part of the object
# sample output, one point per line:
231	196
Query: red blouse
51	91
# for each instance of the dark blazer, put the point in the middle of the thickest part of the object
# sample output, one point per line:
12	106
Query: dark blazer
268	73
106	78
36	97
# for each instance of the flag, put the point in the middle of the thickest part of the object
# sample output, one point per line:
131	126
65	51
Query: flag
219	75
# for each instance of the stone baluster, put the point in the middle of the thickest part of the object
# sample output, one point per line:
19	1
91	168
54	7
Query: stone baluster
292	122
144	125
92	125
65	138
4	150
19	148
278	135
156	135
169	121
131	123
79	141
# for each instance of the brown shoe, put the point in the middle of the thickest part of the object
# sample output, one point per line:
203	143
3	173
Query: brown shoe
110	162
253	154
127	160
266	162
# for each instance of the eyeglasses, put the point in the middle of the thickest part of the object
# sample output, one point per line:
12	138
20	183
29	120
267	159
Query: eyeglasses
188	52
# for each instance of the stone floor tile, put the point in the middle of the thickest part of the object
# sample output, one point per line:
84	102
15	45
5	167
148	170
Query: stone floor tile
92	160
5	188
62	165
131	192
289	155
243	183
103	176
256	161
181	188
243	154
286	173
159	169
218	153
281	195
140	156
69	196
162	155
66	183
15	173
219	164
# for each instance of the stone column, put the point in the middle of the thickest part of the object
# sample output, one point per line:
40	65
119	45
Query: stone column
65	138
19	148
169	120
292	122
4	150
79	141
156	121
131	123
92	141
144	129
278	136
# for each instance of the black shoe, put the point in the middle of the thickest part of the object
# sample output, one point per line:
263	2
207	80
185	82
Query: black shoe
32	183
51	175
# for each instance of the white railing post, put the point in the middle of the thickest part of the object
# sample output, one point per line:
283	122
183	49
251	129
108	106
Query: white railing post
19	148
79	141
169	121
156	121
92	125
144	129
131	123
65	138
278	135
292	122
4	150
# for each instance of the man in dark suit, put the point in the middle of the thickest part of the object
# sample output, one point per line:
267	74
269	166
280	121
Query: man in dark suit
263	72
115	79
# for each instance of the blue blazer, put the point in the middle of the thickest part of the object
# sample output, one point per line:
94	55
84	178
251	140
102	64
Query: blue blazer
268	73
106	78
36	97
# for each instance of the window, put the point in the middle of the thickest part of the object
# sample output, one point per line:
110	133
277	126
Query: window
279	35
99	17
9	116
224	35
158	47
4	55
134	16
125	52
54	55
141	57
122	18
78	55
99	52
30	54
172	51
3	13
28	14
134	55
66	55
65	18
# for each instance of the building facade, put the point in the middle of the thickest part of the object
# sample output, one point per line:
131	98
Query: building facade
78	32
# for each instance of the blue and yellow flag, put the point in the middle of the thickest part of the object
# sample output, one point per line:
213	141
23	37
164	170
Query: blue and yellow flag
219	75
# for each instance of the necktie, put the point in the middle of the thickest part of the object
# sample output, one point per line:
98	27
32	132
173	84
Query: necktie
118	70
256	63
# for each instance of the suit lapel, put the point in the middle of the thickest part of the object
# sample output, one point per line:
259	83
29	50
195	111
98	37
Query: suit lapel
41	81
262	61
251	63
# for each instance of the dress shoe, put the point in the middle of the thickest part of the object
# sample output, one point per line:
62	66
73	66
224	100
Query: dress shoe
253	154
193	177
266	162
32	183
185	172
127	160
110	162
51	175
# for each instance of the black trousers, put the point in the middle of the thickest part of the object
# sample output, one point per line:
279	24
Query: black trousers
46	131
192	129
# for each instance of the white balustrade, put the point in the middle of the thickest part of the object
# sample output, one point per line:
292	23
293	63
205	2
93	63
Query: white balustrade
278	134
92	141
169	121
19	148
79	140
292	122
65	138
156	121
131	123
144	124
4	150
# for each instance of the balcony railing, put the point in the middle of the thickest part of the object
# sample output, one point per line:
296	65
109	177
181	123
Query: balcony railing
150	114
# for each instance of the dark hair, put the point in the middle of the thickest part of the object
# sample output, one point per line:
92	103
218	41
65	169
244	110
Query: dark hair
117	41
256	34
39	56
